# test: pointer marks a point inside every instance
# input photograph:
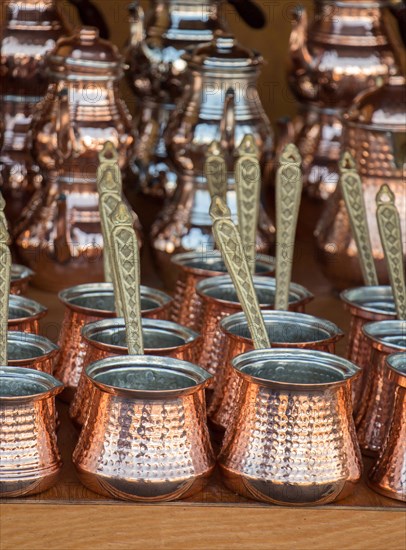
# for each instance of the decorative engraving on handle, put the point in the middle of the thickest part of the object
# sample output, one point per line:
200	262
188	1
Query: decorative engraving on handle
248	186
229	242
391	237
5	275
109	185
215	170
351	187
127	264
288	195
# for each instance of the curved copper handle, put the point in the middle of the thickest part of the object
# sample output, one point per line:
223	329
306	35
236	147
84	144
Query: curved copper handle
227	124
288	195
229	242
215	170
5	275
248	186
391	237
351	187
127	264
64	132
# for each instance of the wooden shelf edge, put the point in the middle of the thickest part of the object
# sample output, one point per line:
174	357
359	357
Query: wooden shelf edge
166	527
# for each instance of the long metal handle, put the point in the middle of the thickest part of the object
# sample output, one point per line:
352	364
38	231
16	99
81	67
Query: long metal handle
127	263
215	170
351	187
229	242
109	185
248	185
391	237
288	195
5	275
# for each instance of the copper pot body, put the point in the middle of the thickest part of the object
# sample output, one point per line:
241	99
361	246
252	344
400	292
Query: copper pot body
158	75
204	114
374	133
193	267
375	412
24	314
365	304
107	338
20	279
219	299
63	242
292	440
88	303
345	50
31	351
146	437
27	410
388	476
286	329
30	31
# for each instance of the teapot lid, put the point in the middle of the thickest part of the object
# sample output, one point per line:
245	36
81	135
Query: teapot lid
223	52
381	108
85	56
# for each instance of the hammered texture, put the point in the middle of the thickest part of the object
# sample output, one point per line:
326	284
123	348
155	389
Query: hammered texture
29	325
142	450
285	443
187	305
388	476
28	446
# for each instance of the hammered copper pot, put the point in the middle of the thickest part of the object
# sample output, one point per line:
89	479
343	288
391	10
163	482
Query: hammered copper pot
345	50
31	351
108	338
292	440
374	133
376	407
219	299
20	278
388	476
158	76
193	267
286	329
365	304
29	457
24	314
146	437
82	110
30	30
85	304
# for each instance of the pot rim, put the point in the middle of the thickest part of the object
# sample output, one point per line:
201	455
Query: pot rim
352	297
275	316
183	260
131	362
44	345
303	295
91	329
333	362
34	310
377	331
20	273
396	362
51	385
71	293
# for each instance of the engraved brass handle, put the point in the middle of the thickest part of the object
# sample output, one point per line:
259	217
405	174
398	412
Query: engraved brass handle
215	170
391	237
351	187
229	242
248	185
288	195
5	275
127	263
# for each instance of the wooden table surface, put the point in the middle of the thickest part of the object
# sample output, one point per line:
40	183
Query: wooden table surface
69	516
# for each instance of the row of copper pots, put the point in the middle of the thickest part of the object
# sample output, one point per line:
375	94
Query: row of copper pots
298	330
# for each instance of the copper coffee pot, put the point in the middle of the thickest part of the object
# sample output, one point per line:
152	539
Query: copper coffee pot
30	30
374	134
344	51
82	110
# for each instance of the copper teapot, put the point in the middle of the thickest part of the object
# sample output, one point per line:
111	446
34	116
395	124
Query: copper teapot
30	30
375	134
157	74
345	50
222	104
81	111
